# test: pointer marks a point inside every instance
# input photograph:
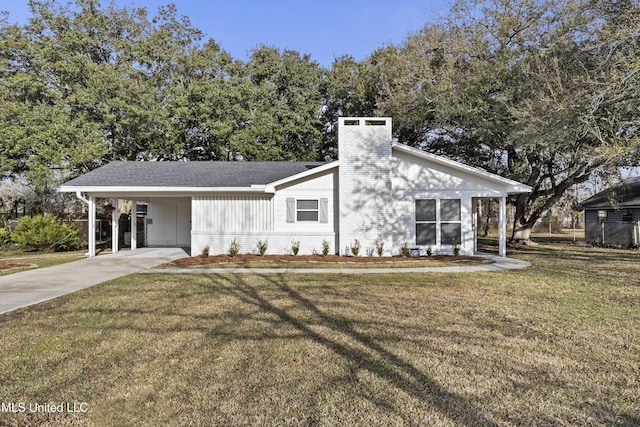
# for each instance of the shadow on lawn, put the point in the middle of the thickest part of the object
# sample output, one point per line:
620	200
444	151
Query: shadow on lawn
365	353
583	261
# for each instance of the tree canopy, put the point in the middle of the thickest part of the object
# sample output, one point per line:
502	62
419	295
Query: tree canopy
544	92
541	91
83	84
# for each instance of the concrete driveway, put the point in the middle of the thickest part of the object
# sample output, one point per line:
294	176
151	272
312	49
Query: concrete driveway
33	286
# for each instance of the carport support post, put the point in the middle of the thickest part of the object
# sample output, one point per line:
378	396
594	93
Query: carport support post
91	229
502	226
115	230
134	224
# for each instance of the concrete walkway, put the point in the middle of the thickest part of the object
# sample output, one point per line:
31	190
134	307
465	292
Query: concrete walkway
498	264
33	286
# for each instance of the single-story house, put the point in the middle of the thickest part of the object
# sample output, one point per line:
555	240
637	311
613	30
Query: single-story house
612	217
378	191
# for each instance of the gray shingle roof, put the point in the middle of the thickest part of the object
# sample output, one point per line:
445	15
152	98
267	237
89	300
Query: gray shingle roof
189	174
627	195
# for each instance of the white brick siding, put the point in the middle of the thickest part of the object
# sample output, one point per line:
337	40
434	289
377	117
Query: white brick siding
365	202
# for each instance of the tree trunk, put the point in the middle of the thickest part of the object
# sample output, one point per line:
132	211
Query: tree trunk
523	221
522	234
487	217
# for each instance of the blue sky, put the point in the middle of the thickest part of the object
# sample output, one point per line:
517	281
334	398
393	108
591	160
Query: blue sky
324	29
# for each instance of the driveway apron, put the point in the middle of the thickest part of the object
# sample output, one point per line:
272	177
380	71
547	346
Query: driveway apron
33	286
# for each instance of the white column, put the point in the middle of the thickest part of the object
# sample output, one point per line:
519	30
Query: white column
502	226
134	223
91	228
115	229
474	223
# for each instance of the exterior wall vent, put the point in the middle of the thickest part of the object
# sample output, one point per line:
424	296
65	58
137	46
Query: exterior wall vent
352	122
375	122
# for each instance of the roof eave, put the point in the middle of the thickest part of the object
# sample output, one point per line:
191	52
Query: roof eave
609	207
271	187
124	190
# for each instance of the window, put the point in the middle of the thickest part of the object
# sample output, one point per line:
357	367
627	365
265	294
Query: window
426	222
438	220
450	226
307	210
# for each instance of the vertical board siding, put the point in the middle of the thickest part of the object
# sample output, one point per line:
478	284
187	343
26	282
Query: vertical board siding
232	213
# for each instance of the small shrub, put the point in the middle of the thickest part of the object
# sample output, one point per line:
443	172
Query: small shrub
234	247
355	248
325	247
5	236
379	248
429	251
205	252
456	250
262	247
404	249
295	246
45	233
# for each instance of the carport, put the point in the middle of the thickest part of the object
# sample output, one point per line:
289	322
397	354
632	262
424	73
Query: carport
168	219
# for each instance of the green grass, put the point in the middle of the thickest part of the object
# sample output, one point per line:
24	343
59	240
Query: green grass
37	259
555	344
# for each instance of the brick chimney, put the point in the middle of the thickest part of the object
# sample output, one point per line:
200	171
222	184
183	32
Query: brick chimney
364	152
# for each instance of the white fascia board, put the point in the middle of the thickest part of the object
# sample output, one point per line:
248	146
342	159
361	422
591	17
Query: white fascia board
159	190
514	187
271	187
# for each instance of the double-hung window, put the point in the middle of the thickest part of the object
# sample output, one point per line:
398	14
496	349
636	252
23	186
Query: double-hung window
426	222
307	210
450	223
438	222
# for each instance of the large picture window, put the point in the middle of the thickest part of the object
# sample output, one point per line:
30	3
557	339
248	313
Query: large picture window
438	221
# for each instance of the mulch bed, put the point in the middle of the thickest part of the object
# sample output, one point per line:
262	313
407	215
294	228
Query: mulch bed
215	259
10	265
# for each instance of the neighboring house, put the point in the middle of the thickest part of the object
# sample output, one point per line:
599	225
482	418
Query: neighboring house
378	191
612	217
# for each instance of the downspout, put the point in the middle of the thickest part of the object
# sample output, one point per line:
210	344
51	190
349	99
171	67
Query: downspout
79	196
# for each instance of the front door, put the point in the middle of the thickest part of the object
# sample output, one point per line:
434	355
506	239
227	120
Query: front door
183	224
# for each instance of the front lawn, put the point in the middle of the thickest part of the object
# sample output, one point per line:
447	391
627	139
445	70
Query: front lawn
555	344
